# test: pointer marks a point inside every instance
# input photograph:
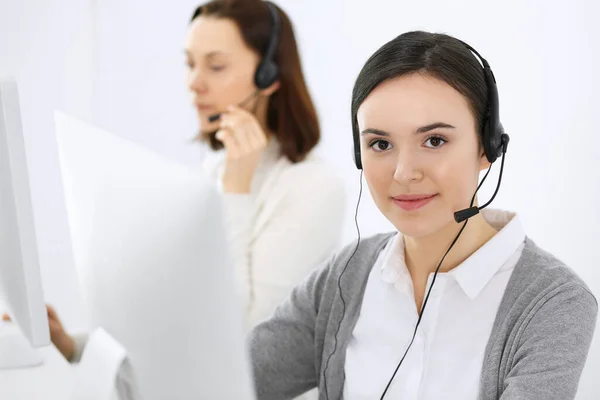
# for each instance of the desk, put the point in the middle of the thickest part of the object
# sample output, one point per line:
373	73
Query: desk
52	380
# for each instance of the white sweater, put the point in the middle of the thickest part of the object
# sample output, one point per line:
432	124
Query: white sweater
284	228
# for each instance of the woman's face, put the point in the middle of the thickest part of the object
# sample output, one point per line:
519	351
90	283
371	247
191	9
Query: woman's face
221	68
420	152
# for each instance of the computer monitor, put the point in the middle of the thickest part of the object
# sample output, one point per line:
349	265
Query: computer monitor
20	279
151	254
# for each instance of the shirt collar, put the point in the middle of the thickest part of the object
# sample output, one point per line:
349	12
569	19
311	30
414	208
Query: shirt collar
476	271
393	267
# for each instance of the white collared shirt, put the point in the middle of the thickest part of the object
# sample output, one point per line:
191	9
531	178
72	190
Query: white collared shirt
446	357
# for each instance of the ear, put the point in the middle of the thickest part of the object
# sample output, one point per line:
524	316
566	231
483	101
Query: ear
271	89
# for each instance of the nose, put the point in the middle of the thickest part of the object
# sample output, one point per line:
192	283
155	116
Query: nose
196	81
407	168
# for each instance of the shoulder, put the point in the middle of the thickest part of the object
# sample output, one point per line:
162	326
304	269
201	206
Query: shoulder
545	270
544	285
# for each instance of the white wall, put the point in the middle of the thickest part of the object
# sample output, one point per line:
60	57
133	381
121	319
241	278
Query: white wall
119	65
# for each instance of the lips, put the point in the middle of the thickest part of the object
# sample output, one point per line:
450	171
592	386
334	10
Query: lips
412	202
203	108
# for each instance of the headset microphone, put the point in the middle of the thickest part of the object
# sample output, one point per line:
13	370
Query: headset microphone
267	71
216	117
467	213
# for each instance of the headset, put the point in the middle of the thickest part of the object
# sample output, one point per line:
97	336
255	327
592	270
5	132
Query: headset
267	71
495	143
493	137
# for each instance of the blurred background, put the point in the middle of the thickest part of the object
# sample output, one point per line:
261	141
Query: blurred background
119	64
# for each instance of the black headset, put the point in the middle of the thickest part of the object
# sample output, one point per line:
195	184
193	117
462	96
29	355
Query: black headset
267	71
493	137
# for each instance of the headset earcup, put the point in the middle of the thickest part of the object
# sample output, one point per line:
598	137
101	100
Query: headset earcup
489	145
266	74
502	137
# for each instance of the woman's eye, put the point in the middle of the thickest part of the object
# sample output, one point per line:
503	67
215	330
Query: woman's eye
217	68
380	145
435	142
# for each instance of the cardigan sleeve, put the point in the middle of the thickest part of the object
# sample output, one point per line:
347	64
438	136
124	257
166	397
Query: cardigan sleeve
553	348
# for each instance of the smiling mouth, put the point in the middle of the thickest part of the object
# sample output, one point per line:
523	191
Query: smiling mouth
413	202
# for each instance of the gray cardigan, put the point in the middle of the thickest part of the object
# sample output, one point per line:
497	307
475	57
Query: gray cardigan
537	349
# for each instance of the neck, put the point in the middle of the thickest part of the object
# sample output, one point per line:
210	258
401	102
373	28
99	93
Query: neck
423	254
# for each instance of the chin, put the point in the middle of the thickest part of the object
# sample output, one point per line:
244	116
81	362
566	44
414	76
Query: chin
414	229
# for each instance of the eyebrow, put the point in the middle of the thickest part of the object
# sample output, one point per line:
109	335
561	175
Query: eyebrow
422	129
208	55
435	125
375	132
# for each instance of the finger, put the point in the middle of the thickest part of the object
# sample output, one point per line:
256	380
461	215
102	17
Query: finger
243	137
258	137
6	317
240	133
51	312
229	141
256	134
229	121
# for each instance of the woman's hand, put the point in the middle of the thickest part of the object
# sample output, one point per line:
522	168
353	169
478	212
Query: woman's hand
245	142
60	338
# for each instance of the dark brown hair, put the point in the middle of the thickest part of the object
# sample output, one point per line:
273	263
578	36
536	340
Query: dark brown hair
438	55
291	114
